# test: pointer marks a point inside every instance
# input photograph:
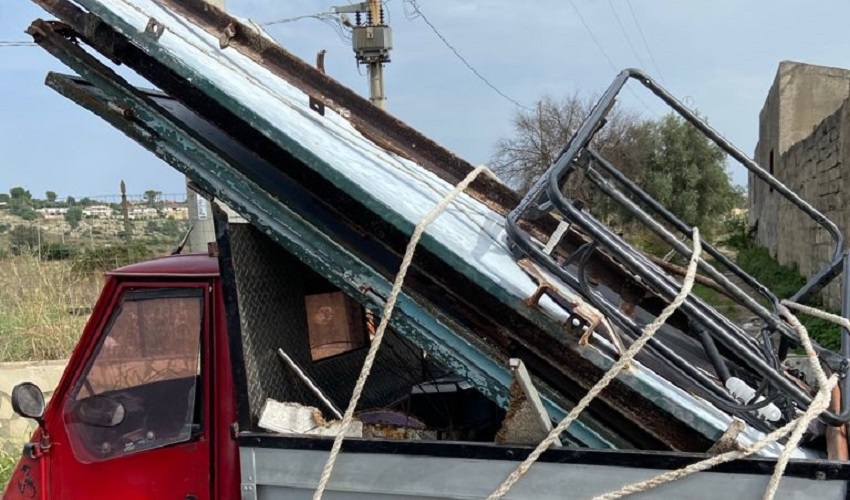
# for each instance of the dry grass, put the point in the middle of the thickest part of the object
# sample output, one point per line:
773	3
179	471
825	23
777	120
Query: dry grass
43	308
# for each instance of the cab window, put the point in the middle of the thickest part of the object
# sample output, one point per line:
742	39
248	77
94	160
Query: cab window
141	389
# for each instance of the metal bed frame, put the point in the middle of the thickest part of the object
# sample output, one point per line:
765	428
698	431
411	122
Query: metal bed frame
547	195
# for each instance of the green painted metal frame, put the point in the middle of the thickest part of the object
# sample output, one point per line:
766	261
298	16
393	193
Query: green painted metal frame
202	82
151	126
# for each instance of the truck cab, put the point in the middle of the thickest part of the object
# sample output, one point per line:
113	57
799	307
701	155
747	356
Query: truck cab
141	408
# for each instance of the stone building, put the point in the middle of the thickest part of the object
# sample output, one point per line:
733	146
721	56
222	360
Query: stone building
804	140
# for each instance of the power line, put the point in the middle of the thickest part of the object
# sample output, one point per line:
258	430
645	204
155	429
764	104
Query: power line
332	19
416	13
605	54
626	35
10	43
593	37
645	44
320	15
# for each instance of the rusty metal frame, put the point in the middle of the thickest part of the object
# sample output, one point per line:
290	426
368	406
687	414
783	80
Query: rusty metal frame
548	191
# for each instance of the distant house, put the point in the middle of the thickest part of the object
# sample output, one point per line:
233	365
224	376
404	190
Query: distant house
142	213
175	210
52	213
98	212
3	205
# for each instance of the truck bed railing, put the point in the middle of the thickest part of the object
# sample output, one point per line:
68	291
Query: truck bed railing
708	325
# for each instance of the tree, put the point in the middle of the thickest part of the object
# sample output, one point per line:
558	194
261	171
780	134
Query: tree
170	227
73	217
152	196
70	201
4	198
20	203
540	135
19	193
686	172
669	158
23	239
51	196
25	212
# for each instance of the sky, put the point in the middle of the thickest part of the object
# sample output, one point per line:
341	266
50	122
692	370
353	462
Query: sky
719	56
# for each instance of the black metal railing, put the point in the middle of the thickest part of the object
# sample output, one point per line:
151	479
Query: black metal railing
709	326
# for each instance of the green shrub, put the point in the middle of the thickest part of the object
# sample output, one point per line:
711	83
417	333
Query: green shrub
58	251
784	281
7	466
110	257
737	232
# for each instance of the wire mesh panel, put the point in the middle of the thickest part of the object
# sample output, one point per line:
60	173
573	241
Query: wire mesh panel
272	286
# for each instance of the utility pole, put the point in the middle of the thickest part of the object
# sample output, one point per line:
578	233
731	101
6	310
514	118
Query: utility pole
372	42
200	213
125	211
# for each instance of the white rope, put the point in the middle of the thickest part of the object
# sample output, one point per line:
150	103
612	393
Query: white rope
825	389
819	404
612	373
796	428
817	313
385	319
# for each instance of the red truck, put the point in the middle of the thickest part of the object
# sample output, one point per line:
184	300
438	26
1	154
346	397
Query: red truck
146	390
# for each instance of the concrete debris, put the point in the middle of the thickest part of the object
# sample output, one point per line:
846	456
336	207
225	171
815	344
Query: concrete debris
293	418
520	425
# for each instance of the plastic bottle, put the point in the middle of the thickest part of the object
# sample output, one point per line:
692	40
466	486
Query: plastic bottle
744	393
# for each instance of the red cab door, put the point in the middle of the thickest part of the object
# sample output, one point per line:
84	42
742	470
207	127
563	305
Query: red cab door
132	422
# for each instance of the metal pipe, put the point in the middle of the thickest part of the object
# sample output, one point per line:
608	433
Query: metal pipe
661	231
680	225
615	245
583	135
304	378
522	243
548	186
836	436
714	355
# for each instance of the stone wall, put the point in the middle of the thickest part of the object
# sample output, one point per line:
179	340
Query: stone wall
14	430
803	137
801	97
814	169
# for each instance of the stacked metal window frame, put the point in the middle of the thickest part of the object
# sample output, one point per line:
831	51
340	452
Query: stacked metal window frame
701	417
292	226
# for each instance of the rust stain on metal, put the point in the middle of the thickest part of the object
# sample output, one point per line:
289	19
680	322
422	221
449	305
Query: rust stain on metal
227	35
836	437
630	295
317	106
154	28
120	109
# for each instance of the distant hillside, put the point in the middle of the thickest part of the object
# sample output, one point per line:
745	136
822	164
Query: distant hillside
57	235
